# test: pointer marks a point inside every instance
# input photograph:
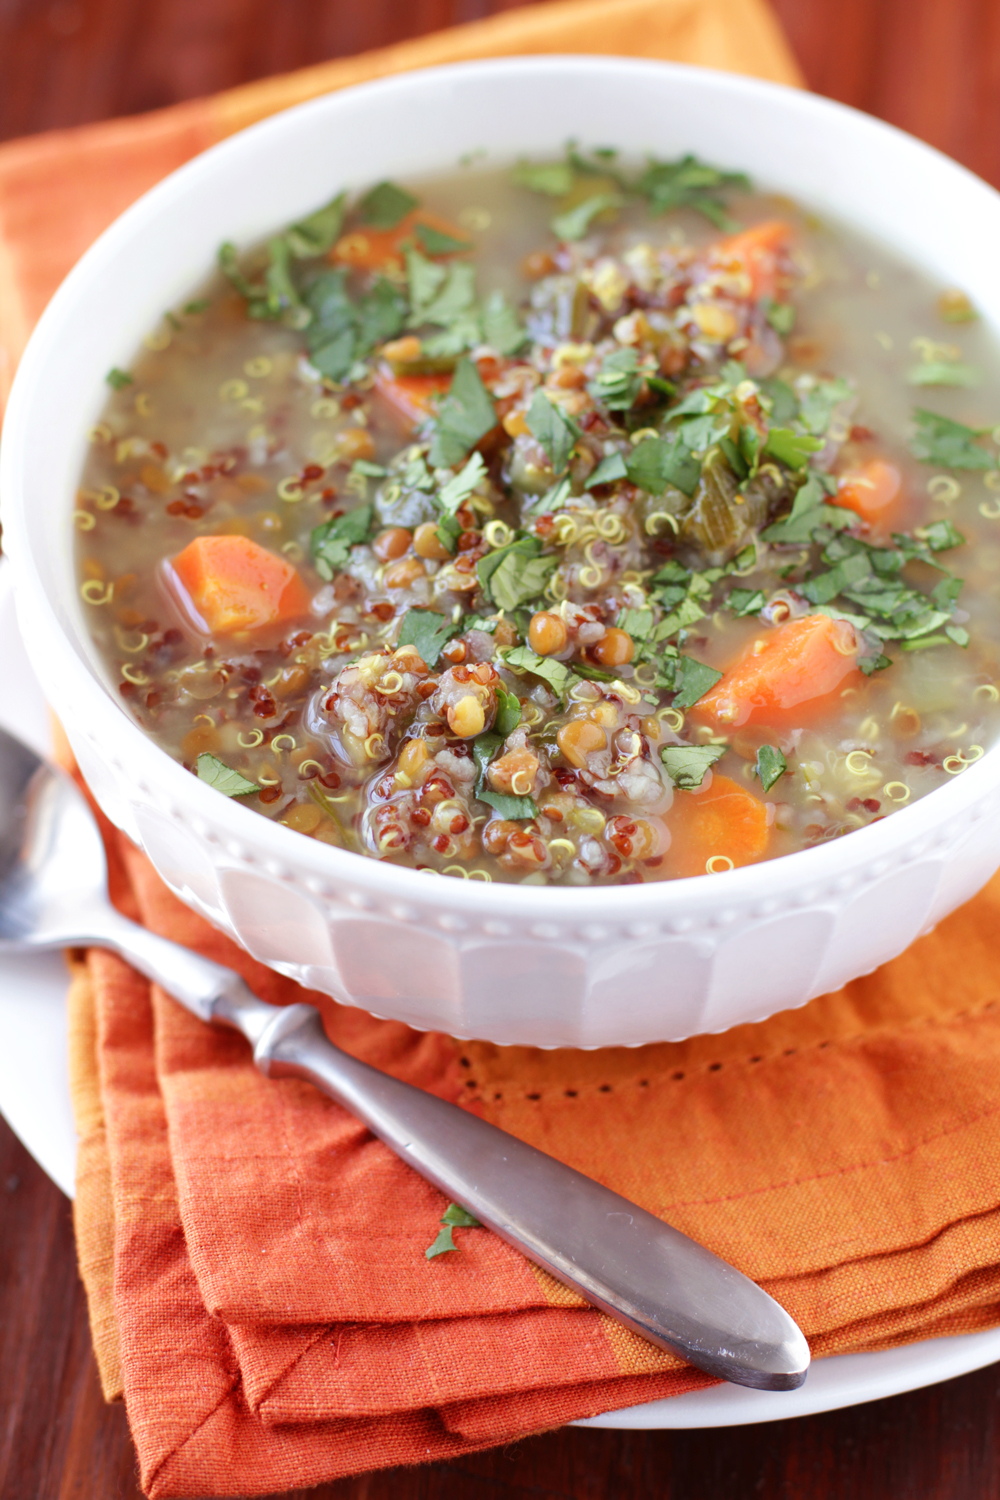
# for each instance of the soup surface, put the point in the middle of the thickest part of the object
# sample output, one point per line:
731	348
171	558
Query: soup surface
578	523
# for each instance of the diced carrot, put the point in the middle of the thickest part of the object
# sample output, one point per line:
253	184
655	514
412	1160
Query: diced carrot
871	491
375	249
800	663
723	821
410	396
231	583
756	251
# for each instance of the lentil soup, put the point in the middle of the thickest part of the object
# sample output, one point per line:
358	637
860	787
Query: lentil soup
581	523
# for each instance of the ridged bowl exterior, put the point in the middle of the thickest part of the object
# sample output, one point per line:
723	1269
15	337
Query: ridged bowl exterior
507	963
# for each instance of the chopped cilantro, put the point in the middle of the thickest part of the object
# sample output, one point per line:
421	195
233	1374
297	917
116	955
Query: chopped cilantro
501	329
223	778
593	674
638	622
574	222
939	440
826	586
692	680
555	179
509	807
690	183
428	631
484	750
870	664
770	766
808	513
341	332
819	402
515	574
656	463
331	543
454	1217
386	205
619	380
557	674
315	234
784	404
508	711
745	601
790	447
608	471
435	242
686	764
466	415
458	490
940	536
940	372
780	315
199	305
556	432
119	379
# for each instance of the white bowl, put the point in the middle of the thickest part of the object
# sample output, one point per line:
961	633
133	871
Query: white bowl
509	963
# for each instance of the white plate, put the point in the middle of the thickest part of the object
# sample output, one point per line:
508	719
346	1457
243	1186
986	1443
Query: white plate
34	1098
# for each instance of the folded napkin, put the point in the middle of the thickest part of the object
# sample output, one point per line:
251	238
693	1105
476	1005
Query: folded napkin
254	1260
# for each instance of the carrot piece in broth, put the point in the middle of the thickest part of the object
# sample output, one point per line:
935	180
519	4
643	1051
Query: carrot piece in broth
231	583
722	822
801	662
757	252
871	491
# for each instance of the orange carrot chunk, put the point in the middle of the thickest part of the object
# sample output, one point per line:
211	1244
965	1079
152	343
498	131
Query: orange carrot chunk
871	491
707	828
375	249
410	396
801	662
756	252
230	583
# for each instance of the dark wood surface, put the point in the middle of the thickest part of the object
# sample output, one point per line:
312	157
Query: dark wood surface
930	66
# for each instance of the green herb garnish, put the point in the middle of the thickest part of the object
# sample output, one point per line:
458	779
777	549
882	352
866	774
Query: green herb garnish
454	1217
554	430
608	471
501	328
692	680
515	574
557	674
315	234
686	764
939	440
940	372
436	242
690	183
331	543
428	631
769	766
215	773
656	463
386	205
119	379
574	222
466	415
619	380
555	179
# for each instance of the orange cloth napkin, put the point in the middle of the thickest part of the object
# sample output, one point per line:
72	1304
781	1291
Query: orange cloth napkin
254	1260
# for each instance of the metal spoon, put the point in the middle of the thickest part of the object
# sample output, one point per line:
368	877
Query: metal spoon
664	1286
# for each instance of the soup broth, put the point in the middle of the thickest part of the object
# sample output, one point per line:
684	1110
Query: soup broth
582	523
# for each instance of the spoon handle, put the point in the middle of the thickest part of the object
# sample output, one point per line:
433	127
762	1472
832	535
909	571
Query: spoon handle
623	1260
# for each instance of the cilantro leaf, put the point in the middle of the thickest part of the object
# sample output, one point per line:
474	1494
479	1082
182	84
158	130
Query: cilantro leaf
686	764
331	543
574	222
770	766
515	574
939	440
692	680
637	622
784	406
315	234
808	513
608	470
508	711
223	778
555	179
458	490
484	750
790	447
557	674
501	329
466	415
619	380
870	664
940	536
556	432
385	205
436	242
780	315
428	631
657	462
690	183
381	316
454	1217
744	602
445	1241
119	379
845	575
509	807
940	372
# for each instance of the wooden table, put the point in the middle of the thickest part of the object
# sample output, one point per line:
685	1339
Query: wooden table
930	66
